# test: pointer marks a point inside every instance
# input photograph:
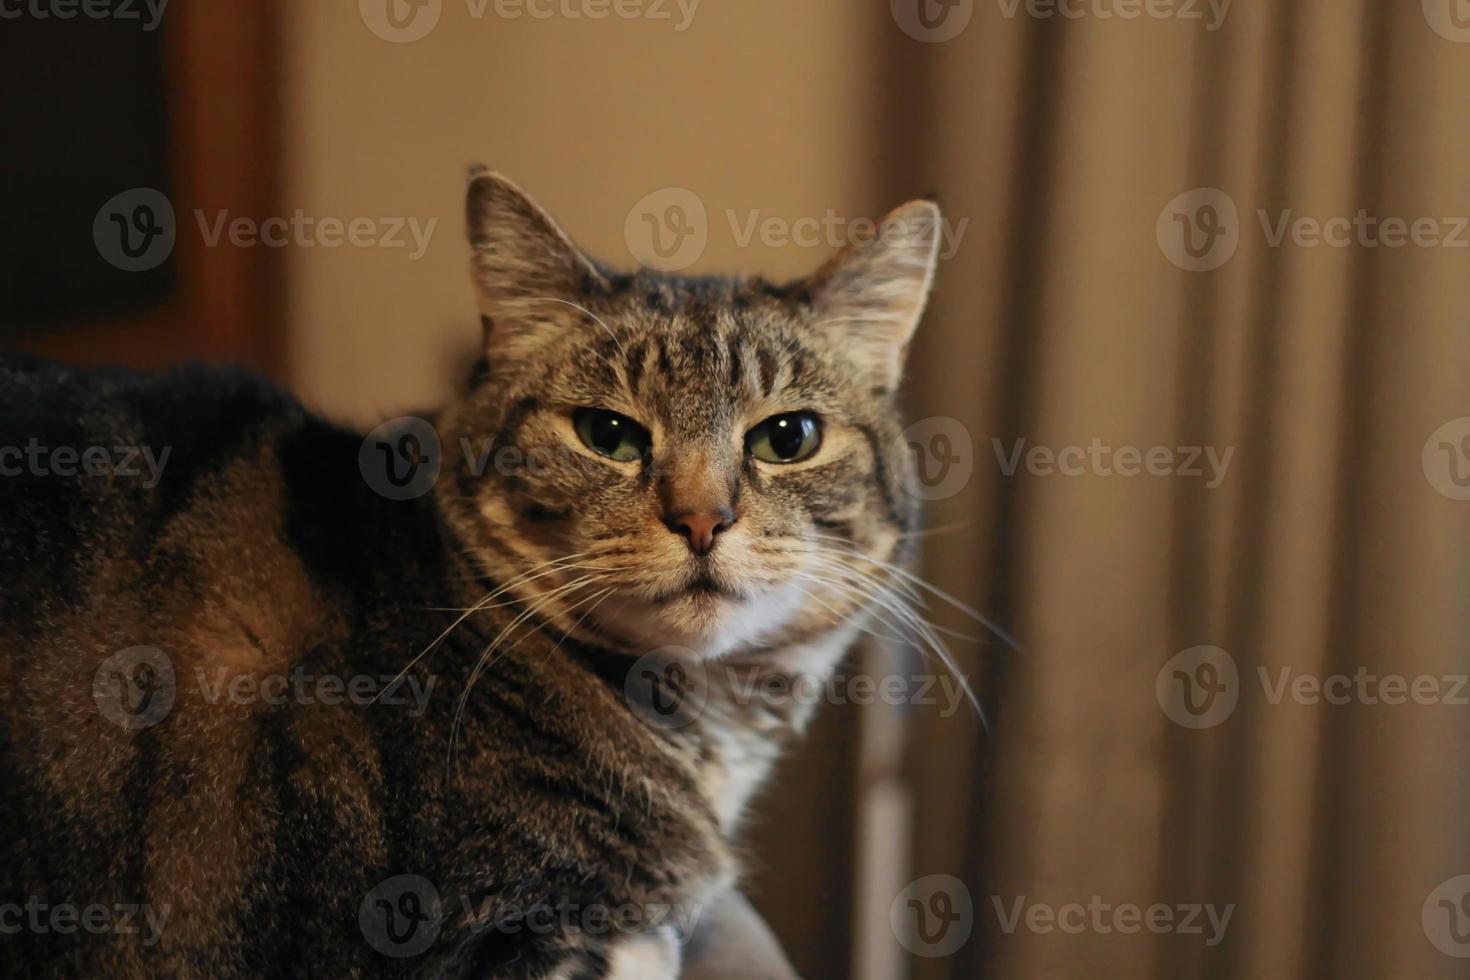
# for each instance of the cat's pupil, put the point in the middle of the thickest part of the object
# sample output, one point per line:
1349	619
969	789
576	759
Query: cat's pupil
608	431
788	432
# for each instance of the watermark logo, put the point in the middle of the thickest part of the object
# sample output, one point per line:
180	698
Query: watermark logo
668	229
1446	917
1199	230
667	688
671	228
932	21
1198	687
933	917
135	230
401	916
1446	459
135	688
1450	19
940	455
401	458
400	21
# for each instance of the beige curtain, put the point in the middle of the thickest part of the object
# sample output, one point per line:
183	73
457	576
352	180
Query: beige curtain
1331	545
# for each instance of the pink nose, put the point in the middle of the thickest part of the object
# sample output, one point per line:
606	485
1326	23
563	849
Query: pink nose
700	529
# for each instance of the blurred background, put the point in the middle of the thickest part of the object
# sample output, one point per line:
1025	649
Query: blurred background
1192	399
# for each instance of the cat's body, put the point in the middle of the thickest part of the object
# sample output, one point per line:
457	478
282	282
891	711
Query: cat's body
187	668
255	826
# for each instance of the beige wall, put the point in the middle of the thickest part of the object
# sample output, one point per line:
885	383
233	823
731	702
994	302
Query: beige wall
590	116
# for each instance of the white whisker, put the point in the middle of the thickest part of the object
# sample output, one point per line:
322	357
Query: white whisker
486	660
932	589
521	579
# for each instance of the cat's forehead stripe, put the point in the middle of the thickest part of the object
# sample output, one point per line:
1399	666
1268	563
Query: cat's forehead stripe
634	364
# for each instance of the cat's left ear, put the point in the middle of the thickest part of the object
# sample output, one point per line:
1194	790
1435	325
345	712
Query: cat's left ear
869	296
528	274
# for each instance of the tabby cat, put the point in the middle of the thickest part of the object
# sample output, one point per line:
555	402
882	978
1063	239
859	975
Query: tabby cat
460	698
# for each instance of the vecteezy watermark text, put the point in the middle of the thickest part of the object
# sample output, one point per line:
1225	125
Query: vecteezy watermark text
1201	686
402	916
138	687
305	231
1363	686
831	230
1102	918
1097	459
136	230
124	10
944	691
670	228
680	11
1200	230
405	21
1363	229
38	459
66	918
301	686
1212	12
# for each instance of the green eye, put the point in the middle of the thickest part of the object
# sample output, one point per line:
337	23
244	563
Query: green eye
785	438
612	435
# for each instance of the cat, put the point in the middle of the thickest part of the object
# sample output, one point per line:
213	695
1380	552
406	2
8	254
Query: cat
294	701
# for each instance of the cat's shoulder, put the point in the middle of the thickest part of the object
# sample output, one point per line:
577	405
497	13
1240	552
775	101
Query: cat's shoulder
113	461
39	392
58	420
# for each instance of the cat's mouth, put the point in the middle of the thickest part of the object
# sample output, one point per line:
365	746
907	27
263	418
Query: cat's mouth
701	588
705	609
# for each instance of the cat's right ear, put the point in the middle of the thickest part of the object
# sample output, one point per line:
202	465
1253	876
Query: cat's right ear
869	296
527	273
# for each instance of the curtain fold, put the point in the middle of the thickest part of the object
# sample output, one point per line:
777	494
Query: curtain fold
1205	241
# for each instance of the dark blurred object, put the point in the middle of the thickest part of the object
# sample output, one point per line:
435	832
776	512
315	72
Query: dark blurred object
93	123
135	119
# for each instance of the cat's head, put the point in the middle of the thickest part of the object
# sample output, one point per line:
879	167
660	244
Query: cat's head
684	461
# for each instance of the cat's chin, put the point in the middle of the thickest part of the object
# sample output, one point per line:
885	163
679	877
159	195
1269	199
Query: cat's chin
705	622
710	622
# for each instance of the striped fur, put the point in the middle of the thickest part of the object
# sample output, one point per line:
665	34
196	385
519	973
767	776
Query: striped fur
258	831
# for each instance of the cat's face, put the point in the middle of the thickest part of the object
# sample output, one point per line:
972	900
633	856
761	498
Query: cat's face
697	463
